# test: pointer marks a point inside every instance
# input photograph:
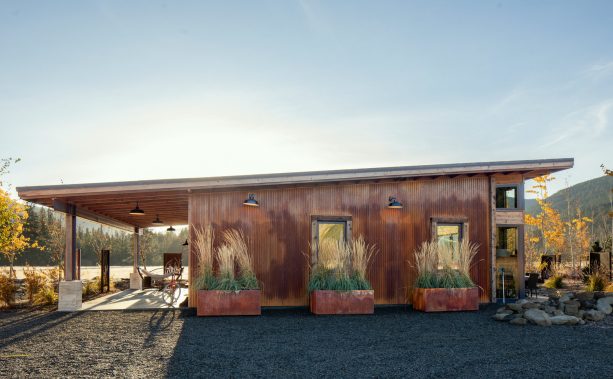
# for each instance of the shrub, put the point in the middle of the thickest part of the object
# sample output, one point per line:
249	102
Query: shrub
609	288
35	281
45	296
555	281
91	287
342	266
445	265
8	289
597	280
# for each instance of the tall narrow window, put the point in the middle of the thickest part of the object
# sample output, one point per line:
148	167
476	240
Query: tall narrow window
328	229
506	197
506	241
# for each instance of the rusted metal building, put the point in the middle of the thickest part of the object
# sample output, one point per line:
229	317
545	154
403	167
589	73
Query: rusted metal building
396	208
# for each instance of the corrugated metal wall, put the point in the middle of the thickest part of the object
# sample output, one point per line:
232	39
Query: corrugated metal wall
279	231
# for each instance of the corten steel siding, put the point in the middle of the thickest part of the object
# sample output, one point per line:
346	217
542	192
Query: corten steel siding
279	231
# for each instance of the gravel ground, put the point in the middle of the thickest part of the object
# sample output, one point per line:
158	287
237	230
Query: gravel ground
392	343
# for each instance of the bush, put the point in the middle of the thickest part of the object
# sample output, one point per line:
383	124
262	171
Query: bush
35	281
8	289
555	281
45	296
597	280
91	288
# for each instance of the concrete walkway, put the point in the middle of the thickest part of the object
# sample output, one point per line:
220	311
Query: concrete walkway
133	300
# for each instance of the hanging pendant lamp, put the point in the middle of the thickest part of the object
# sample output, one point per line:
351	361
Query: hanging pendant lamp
157	221
137	211
185	243
171	229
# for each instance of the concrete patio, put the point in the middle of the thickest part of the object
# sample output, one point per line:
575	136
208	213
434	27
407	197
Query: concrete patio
146	299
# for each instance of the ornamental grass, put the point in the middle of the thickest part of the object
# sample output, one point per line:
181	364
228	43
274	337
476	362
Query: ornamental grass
445	265
342	266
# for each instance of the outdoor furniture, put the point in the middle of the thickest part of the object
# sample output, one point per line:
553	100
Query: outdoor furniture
532	283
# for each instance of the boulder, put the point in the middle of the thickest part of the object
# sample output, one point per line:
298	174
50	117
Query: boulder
605	305
588	304
564	320
538	317
522	301
594	315
585	296
549	309
581	314
503	316
558	312
515	307
566	297
518	321
571	309
530	305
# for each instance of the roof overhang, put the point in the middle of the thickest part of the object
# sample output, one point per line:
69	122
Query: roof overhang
169	198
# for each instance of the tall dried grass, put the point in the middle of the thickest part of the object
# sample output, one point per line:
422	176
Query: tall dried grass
8	289
35	281
445	265
236	241
202	241
341	265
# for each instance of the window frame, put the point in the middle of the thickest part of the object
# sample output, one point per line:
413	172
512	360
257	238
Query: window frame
316	220
436	221
519	196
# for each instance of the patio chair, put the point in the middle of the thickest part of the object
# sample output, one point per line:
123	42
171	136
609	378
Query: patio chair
532	283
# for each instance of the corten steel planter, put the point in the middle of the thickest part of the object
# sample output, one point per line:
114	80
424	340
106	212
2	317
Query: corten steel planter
229	303
343	302
446	299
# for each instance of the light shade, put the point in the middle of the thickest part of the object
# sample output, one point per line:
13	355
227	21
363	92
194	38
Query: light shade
171	229
251	201
393	203
157	221
137	211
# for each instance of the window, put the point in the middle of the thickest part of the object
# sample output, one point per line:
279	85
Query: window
328	228
506	197
448	233
506	241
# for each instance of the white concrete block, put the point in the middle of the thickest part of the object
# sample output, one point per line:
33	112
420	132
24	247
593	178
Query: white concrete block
136	282
71	296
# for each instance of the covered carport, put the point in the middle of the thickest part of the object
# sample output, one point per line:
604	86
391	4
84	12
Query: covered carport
111	204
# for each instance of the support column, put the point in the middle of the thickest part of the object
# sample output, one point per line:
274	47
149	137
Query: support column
135	279
70	289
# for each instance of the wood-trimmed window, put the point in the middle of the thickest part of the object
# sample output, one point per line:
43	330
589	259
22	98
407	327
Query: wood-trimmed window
449	229
328	227
507	197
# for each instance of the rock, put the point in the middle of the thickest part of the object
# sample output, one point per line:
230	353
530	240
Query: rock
573	302
530	305
522	301
581	322
515	307
566	297
558	312
588	304
549	309
501	309
571	309
564	320
581	314
594	315
518	321
605	305
503	316
538	317
585	296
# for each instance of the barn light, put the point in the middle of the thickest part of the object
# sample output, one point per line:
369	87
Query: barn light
185	243
251	201
171	229
157	221
393	203
137	211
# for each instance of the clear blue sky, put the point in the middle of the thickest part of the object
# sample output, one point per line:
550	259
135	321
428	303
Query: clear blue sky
125	90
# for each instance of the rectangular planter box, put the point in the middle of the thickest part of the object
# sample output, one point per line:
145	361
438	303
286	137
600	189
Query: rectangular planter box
229	303
446	299
343	302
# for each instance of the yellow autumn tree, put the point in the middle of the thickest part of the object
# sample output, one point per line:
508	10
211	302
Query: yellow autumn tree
13	216
579	240
548	236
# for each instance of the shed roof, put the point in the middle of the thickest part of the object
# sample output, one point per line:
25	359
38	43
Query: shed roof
109	202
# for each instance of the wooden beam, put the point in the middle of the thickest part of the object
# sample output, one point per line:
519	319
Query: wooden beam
61	206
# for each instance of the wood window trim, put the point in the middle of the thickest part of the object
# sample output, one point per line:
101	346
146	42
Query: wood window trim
316	219
435	221
519	194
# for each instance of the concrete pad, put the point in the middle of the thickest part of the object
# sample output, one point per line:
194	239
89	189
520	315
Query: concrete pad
131	299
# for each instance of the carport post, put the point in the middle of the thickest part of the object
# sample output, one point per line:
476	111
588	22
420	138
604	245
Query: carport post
70	289
135	279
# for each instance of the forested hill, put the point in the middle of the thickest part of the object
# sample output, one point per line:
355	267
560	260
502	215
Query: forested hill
591	196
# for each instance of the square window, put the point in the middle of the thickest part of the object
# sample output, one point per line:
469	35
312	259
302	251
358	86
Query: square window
506	197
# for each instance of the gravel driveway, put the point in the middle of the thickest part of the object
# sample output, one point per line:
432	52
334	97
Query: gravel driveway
392	343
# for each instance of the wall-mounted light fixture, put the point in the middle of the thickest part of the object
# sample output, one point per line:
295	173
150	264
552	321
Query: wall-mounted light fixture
157	221
137	211
393	203
171	229
251	201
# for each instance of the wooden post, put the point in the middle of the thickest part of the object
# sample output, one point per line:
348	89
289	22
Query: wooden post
136	250
70	254
493	270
